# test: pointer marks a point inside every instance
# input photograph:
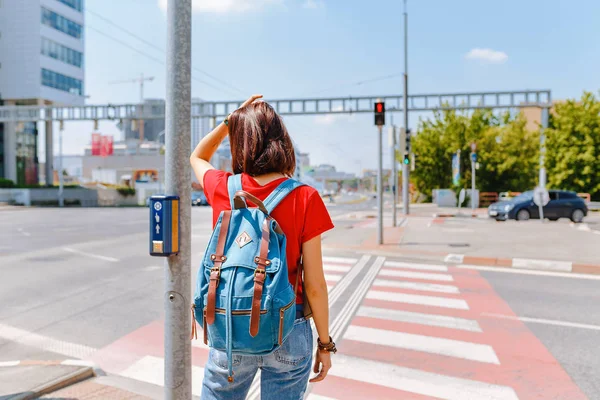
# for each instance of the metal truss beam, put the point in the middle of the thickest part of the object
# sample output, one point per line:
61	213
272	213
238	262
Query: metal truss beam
308	106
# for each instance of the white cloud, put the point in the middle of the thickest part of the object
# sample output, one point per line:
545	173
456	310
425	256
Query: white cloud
328	119
487	55
224	6
313	4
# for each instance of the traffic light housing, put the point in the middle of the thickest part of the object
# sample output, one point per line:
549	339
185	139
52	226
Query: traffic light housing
379	113
406	160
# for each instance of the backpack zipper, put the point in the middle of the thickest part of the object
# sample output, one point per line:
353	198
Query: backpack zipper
237	312
282	311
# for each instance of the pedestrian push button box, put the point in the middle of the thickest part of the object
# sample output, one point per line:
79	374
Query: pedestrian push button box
164	225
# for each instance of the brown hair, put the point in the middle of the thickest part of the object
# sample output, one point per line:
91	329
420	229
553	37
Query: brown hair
260	142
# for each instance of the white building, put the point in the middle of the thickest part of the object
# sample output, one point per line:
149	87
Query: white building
41	62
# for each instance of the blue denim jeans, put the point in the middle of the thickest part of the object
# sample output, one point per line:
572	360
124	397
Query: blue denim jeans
284	373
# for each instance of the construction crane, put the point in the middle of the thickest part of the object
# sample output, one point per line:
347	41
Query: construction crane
141	81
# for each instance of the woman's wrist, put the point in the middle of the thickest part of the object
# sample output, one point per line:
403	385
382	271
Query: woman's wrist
324	339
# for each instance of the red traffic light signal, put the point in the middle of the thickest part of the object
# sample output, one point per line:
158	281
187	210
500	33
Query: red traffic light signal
379	113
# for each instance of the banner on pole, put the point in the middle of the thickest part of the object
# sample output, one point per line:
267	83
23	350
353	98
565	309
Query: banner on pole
106	146
96	143
456	169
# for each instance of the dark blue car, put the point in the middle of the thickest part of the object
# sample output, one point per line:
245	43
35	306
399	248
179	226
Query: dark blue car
199	199
562	204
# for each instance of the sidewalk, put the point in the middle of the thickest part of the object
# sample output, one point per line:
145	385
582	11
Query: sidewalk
68	379
473	241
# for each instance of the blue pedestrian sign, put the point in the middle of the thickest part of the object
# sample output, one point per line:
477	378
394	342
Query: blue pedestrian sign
474	157
164	225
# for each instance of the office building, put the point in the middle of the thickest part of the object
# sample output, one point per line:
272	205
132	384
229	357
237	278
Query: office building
41	63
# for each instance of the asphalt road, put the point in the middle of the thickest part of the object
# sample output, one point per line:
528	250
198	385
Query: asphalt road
82	279
564	315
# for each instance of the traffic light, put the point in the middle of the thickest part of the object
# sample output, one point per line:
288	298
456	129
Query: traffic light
406	159
379	113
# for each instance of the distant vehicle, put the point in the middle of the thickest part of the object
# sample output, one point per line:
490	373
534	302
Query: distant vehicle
505	196
563	204
199	199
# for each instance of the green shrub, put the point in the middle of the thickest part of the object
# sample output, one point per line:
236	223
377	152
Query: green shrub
6	183
126	191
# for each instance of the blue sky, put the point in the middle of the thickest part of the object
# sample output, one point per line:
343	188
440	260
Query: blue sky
304	48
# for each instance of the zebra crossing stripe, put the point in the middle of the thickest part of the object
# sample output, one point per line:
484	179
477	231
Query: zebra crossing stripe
442	321
428	344
423	267
416	381
424	287
423	300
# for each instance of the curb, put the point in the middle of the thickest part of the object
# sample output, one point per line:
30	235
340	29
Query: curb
524	263
356	201
87	370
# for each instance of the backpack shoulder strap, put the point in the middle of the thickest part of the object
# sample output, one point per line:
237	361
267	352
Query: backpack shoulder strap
280	192
234	184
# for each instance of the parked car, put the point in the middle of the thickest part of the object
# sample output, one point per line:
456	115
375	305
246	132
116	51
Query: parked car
199	199
562	204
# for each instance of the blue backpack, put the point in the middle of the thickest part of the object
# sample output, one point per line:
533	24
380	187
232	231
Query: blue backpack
243	299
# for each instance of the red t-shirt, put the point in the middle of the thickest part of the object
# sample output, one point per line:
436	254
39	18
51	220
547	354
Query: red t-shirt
302	215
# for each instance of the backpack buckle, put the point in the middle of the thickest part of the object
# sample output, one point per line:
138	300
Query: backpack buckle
259	271
217	274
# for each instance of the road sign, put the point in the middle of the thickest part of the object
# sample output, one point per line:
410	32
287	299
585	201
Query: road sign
474	157
379	113
541	197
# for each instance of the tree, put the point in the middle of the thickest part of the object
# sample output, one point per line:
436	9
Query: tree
573	146
507	152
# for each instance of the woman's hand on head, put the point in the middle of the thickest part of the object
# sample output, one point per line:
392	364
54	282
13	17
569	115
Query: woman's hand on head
251	100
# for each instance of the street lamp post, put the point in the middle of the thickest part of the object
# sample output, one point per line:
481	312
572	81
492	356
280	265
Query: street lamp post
405	167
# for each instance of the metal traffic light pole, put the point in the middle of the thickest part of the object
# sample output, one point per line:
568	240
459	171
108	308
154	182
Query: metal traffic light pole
178	349
379	122
405	166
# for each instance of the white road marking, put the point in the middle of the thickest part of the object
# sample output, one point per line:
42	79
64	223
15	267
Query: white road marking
333	278
336	268
80	363
97	256
454	258
340	260
532	272
151	369
423	300
425	287
9	363
545	265
420	318
424	267
545	321
22	232
334	295
415	381
416	275
151	268
45	343
427	344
